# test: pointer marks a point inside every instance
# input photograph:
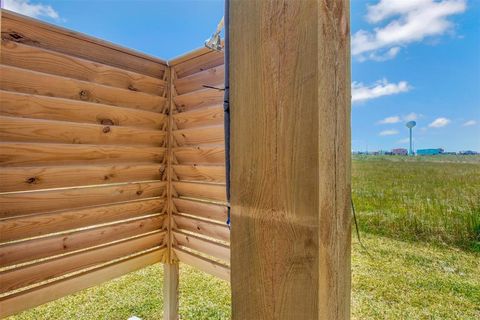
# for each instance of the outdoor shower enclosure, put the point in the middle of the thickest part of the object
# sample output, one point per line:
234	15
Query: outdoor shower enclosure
112	160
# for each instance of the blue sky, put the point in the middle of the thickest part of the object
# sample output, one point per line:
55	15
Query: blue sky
411	59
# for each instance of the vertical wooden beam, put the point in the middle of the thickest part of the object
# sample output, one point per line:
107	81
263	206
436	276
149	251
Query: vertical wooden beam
170	291
290	159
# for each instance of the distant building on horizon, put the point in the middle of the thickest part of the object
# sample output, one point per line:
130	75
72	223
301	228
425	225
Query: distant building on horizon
468	152
429	152
400	152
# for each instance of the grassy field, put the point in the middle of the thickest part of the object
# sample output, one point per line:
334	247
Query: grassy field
419	220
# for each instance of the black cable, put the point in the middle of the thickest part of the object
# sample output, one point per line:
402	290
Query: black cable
357	229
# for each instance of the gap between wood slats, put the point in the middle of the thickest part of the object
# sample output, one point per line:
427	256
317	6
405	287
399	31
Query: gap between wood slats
211	77
60	288
45	270
14	129
200	154
204	210
40	34
25	105
23	203
38	154
218	231
208	247
35	225
206	265
34	249
33	82
199	117
200	135
198	99
43	60
201	190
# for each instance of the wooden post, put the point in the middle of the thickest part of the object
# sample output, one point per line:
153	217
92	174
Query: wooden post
170	291
290	159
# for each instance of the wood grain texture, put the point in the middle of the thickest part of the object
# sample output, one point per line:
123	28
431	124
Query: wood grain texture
206	265
59	221
199	135
199	63
21	203
45	270
197	99
17	104
42	60
33	82
31	250
290	155
40	34
198	173
215	230
199	117
171	276
34	297
215	192
15	129
200	154
203	210
215	249
210	77
38	154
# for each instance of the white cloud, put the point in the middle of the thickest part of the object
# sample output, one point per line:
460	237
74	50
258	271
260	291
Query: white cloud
469	123
439	122
361	92
390	120
27	8
388	132
410	21
411	116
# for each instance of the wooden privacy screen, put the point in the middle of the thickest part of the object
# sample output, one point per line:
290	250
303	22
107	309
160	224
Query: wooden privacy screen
83	131
200	235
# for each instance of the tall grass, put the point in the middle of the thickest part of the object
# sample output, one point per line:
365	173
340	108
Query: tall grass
421	198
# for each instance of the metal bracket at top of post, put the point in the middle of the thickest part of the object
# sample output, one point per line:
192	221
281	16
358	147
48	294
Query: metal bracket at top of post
215	42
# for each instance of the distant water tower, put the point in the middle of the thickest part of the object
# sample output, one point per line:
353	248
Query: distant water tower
410	125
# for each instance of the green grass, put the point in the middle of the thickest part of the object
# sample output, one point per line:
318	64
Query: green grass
420	223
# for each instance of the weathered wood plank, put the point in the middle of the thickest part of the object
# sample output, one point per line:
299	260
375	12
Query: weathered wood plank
198	173
210	77
201	209
22	203
290	159
45	270
30	250
198	99
34	297
199	117
199	135
15	129
58	221
198	63
170	290
39	154
33	82
213	230
215	249
206	265
34	58
200	155
216	192
40	34
17	104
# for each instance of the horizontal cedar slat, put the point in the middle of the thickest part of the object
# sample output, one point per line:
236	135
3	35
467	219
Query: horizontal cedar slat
17	104
199	173
210	77
30	250
200	155
199	117
205	246
34	32
41	271
22	203
38	154
33	82
36	130
199	63
198	99
34	297
213	230
34	178
200	135
201	190
201	209
38	59
42	224
206	265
